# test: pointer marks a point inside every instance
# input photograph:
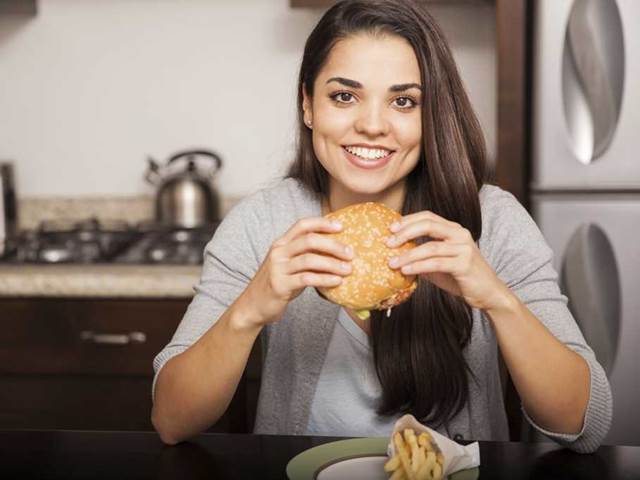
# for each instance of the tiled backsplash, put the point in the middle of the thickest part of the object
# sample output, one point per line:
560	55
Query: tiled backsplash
132	209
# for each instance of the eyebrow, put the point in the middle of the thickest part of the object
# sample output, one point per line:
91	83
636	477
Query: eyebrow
393	88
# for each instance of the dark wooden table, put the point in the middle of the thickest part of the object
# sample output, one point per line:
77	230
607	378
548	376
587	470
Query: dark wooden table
141	455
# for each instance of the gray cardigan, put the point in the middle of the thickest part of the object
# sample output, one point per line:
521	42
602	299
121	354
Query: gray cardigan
294	348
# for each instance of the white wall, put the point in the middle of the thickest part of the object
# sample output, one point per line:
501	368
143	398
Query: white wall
89	88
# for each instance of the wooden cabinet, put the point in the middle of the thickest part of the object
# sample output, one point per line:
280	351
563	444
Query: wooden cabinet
87	364
328	3
18	7
514	26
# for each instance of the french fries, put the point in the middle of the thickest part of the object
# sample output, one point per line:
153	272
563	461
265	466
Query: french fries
416	458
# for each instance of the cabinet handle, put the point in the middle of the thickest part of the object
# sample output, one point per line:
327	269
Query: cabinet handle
113	338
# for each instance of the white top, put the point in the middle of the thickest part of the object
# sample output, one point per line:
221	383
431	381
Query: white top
348	389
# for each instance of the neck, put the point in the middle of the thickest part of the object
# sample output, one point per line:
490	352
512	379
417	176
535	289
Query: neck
340	197
365	325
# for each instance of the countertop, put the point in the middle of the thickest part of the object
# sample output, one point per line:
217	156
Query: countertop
99	281
141	455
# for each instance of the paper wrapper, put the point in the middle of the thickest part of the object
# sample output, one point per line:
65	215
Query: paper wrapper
456	457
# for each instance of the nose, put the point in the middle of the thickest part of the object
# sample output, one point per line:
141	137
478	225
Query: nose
372	122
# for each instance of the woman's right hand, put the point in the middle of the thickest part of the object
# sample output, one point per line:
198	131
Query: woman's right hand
301	258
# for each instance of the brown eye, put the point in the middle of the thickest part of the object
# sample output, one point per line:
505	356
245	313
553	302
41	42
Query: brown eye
405	102
343	97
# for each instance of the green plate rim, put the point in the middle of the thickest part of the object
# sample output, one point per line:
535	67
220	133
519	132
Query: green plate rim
308	464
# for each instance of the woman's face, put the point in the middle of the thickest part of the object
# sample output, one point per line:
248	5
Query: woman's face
366	119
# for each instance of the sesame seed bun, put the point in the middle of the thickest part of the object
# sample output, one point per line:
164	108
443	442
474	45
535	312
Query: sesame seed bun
372	284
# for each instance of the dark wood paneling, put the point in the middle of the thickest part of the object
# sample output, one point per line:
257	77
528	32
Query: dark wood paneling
328	3
46	336
18	7
92	403
51	378
511	32
75	402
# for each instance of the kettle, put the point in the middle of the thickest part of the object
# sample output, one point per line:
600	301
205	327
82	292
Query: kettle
185	196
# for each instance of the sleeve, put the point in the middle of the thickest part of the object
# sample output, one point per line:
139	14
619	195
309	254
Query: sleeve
231	259
523	260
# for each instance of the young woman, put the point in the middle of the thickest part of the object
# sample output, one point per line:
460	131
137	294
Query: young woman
383	117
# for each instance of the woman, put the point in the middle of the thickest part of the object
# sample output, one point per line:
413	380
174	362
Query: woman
383	117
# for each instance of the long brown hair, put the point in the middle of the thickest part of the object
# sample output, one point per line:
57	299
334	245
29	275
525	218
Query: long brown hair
418	351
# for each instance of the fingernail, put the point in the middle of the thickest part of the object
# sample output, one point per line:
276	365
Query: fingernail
393	262
336	225
394	227
348	250
345	267
391	240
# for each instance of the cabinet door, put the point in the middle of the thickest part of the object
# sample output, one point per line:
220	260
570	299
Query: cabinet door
85	337
87	364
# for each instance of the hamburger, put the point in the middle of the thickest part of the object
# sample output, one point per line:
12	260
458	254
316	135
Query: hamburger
372	285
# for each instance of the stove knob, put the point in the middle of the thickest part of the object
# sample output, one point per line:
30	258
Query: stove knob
157	254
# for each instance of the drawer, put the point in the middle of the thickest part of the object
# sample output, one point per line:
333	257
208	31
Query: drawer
91	403
78	402
96	337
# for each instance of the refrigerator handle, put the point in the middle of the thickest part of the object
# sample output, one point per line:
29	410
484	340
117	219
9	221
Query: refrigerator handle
592	76
591	280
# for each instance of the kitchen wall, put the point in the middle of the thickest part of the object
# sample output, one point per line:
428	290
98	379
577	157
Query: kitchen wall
89	88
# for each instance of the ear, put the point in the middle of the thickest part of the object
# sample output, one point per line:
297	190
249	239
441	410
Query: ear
307	109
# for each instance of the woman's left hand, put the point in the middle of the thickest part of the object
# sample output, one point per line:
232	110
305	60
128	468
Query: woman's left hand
450	259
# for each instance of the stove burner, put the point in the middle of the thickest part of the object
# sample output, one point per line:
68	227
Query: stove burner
93	241
88	241
170	246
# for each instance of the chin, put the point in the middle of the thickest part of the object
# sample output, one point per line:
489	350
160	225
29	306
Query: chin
366	186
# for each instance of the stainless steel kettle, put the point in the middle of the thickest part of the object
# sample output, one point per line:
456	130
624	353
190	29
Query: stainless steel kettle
185	196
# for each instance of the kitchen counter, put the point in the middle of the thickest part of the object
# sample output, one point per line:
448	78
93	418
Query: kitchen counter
141	455
99	281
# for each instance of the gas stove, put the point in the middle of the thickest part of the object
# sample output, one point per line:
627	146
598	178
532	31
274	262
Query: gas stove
109	242
167	245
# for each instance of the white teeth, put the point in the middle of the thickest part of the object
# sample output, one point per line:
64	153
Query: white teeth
368	153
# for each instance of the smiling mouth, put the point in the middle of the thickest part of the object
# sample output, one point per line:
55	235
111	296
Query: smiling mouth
370	154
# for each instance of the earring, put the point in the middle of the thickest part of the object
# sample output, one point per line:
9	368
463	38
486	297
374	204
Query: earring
308	122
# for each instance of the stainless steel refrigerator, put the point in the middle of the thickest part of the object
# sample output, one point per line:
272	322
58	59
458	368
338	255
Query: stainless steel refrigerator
586	179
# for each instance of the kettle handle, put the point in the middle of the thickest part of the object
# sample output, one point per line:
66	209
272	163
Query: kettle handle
214	157
153	172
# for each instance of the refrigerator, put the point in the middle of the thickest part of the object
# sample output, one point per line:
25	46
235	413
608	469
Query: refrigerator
585	179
